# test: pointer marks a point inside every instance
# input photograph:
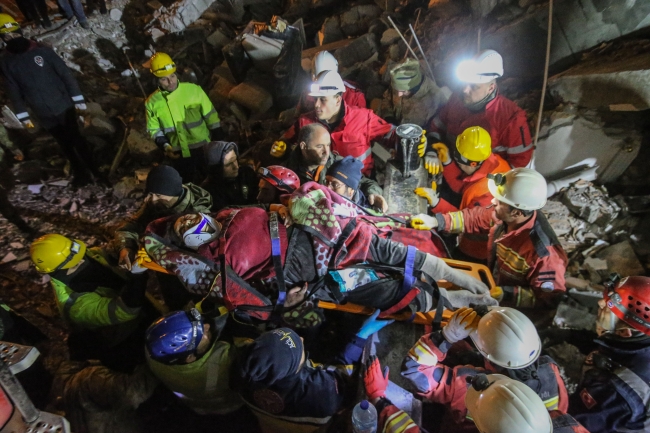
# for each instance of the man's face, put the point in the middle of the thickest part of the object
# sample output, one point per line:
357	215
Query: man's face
203	345
230	165
473	93
503	211
327	107
317	151
467	169
162	201
339	187
606	320
168	83
267	194
404	93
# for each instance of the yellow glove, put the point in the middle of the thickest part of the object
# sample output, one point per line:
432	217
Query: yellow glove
430	194
497	293
422	147
443	153
278	149
423	222
141	256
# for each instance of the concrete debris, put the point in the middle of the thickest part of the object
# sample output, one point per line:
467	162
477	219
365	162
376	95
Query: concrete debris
622	259
141	148
181	14
572	360
218	40
116	14
569	137
591	203
35	189
128	187
252	96
330	31
360	50
389	37
97	125
9	257
356	21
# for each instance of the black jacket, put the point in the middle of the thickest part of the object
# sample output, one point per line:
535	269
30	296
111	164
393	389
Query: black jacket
39	79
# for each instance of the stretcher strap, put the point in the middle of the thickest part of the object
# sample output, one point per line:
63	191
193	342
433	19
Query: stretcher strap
409	278
276	252
222	248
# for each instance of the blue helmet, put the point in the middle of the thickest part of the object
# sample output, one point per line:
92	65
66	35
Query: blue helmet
175	336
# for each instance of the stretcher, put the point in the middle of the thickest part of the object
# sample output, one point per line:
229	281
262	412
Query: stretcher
480	272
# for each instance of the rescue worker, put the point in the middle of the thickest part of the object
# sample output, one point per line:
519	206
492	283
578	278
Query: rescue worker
180	119
185	352
510	346
312	158
228	183
288	392
166	195
495	403
352	129
101	302
275	181
7	182
37	78
344	177
526	258
465	174
325	61
480	104
614	393
412	98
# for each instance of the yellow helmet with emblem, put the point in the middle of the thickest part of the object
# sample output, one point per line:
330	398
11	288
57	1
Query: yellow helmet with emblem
8	24
162	65
53	252
474	145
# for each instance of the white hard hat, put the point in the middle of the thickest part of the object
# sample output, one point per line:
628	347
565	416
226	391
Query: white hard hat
522	188
507	338
327	83
323	61
483	68
507	406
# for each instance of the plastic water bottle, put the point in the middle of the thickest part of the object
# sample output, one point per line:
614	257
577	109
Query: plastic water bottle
364	418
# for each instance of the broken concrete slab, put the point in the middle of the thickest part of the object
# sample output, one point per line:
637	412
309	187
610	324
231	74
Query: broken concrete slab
591	203
389	37
182	13
622	259
252	96
617	83
116	14
597	269
218	39
219	93
568	138
127	188
356	20
330	31
97	125
358	51
141	148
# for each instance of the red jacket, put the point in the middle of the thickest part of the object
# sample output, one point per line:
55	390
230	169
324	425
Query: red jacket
475	193
502	118
529	261
353	135
446	385
352	96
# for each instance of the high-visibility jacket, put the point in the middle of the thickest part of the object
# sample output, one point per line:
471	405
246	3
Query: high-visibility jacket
184	116
203	384
501	117
474	192
529	261
354	134
91	310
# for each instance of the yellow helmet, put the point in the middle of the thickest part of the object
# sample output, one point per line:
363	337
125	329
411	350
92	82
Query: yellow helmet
8	24
53	252
474	145
162	65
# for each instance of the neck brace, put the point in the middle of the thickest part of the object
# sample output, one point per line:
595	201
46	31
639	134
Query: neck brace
198	235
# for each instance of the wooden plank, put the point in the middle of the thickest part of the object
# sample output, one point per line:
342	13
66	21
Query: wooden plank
311	52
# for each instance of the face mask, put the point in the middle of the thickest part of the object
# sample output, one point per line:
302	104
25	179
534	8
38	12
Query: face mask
200	234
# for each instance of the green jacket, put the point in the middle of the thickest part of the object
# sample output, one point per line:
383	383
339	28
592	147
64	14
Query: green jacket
194	199
91	310
203	384
184	116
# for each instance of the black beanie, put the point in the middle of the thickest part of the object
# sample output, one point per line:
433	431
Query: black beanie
216	150
271	357
348	171
164	180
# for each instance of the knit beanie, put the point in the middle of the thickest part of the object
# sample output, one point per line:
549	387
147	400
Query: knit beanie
271	357
406	75
164	180
348	171
216	150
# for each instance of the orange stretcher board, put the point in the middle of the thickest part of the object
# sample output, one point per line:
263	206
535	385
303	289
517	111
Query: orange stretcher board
480	272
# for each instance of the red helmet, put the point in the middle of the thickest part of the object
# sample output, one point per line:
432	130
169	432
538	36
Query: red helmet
629	300
280	177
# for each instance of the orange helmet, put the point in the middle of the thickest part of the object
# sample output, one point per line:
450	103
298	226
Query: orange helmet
280	177
629	300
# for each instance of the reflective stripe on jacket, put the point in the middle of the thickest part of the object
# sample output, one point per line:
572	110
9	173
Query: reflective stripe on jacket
354	134
203	384
91	310
502	118
185	116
